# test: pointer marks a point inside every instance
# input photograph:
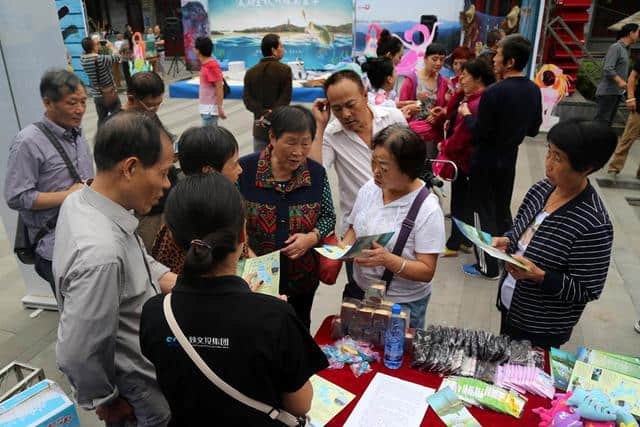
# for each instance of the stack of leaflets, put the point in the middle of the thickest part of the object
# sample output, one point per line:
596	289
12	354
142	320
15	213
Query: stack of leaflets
478	393
619	387
328	401
450	409
561	363
620	363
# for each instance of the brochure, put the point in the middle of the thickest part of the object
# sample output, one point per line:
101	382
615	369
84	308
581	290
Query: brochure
483	241
267	268
619	387
451	410
390	402
618	363
355	250
561	363
328	401
479	393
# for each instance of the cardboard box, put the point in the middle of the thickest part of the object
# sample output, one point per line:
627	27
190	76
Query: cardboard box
43	404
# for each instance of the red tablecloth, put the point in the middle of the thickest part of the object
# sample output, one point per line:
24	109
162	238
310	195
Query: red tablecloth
345	379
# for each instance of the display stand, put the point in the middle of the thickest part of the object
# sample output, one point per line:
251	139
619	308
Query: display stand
20	103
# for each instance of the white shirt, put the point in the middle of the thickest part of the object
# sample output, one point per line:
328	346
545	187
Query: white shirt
509	284
371	216
351	156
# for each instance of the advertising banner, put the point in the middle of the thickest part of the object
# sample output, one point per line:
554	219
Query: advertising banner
195	23
316	32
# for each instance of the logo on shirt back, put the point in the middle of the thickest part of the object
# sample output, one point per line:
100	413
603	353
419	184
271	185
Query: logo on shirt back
202	342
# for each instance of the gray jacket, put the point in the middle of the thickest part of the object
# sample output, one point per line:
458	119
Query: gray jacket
102	283
616	63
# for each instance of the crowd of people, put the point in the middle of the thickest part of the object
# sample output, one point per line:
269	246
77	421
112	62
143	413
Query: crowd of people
124	299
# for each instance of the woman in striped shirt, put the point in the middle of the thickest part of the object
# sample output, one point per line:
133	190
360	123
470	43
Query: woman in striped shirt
562	232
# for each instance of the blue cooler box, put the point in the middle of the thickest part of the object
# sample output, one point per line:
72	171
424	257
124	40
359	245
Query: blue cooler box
43	404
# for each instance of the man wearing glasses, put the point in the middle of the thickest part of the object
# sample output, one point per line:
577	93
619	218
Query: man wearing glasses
144	93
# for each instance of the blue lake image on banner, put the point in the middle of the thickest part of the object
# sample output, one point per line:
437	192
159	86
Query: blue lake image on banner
317	32
297	47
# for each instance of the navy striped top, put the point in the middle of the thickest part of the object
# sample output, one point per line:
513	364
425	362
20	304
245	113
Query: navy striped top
573	247
98	68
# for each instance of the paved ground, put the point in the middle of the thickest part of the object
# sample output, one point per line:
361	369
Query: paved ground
457	300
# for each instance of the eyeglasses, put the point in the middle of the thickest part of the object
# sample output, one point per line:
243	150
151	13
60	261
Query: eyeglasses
153	108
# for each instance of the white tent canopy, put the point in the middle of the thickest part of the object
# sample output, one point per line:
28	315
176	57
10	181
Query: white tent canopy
631	19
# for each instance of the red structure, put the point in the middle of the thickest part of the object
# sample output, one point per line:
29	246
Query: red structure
574	14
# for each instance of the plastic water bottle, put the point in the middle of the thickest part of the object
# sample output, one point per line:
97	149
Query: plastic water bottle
394	339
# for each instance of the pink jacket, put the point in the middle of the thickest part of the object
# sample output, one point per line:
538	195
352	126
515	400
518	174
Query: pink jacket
428	131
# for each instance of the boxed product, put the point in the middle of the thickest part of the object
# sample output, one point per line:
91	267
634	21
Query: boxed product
43	404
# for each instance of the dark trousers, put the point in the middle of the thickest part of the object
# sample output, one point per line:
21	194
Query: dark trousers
545	341
302	304
607	105
126	72
103	111
491	190
460	209
43	268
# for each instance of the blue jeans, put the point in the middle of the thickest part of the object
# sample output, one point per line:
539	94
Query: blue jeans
418	311
209	120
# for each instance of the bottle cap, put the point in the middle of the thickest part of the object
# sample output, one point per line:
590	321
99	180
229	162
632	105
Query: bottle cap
396	309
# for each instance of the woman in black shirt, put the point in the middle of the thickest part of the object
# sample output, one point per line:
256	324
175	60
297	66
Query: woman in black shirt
254	342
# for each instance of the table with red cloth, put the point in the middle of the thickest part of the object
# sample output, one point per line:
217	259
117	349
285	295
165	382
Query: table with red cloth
347	380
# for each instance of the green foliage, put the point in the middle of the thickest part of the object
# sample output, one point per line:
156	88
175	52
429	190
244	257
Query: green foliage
583	83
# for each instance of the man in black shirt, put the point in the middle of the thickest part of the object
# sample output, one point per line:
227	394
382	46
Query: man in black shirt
509	110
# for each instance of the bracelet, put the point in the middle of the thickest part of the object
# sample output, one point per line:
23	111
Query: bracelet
630	100
318	236
404	263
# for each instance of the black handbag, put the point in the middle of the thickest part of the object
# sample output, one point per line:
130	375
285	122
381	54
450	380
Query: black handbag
23	247
226	90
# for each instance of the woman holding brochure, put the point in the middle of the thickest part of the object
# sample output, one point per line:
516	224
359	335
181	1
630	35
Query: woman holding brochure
255	343
396	200
563	235
288	203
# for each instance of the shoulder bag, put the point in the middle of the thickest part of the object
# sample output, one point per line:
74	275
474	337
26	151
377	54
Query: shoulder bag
24	249
273	413
109	94
405	230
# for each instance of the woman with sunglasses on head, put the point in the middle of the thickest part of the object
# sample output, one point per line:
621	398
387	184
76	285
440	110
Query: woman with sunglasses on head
255	343
431	90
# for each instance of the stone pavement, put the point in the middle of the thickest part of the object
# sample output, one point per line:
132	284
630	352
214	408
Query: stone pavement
457	299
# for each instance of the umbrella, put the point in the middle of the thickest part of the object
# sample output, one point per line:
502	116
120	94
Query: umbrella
631	19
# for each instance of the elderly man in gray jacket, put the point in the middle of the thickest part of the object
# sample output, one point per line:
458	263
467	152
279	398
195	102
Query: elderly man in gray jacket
104	275
613	82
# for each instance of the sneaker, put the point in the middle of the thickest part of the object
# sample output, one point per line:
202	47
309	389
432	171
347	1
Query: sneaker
466	249
449	253
471	270
636	326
